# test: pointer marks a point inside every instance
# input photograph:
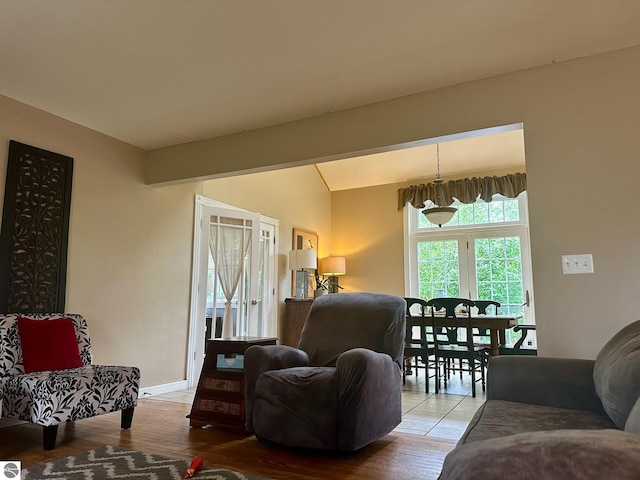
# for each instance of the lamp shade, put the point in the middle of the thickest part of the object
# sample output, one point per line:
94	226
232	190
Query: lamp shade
439	215
299	259
332	266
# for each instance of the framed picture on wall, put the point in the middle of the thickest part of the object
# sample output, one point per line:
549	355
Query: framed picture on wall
303	240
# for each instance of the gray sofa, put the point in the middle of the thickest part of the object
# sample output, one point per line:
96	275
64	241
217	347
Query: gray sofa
548	418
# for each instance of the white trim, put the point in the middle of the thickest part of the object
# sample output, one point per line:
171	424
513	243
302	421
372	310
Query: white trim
199	202
209	202
162	389
271	221
407	251
10	422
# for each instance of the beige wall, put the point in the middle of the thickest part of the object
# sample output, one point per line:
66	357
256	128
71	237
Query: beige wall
581	127
368	231
297	197
130	244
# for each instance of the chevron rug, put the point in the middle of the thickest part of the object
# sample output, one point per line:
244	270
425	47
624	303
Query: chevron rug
115	462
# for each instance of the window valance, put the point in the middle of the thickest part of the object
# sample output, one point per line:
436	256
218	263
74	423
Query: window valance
466	190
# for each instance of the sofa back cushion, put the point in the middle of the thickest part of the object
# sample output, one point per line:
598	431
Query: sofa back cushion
616	373
11	362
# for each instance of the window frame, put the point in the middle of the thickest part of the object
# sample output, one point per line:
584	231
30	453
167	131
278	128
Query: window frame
465	233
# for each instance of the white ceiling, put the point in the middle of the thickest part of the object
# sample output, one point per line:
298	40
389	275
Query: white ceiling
162	72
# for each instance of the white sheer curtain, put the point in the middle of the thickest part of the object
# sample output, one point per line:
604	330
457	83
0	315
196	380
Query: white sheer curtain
228	245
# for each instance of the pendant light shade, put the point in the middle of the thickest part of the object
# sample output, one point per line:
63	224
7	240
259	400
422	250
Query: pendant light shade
439	215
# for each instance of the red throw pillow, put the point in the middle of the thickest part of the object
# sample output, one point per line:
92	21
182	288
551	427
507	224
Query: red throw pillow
48	344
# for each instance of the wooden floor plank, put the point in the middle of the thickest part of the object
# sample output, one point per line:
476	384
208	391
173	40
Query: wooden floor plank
161	427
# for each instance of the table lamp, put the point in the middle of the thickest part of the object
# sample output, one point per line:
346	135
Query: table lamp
332	267
299	261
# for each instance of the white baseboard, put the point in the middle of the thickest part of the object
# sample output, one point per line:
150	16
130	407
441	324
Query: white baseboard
164	388
10	422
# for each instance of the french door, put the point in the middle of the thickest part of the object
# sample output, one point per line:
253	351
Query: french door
232	269
476	264
234	278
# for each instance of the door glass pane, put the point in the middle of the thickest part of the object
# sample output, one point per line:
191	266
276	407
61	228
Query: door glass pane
228	270
499	274
438	272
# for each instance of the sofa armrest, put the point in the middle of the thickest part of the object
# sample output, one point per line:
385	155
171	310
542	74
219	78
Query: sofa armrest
554	382
369	397
259	359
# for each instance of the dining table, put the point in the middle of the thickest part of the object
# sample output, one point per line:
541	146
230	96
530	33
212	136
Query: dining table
497	326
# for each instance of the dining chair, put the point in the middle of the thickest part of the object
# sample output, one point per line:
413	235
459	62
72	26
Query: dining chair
519	348
482	334
418	348
476	356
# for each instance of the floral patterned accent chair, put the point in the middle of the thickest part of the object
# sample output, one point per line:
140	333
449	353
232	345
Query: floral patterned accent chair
55	396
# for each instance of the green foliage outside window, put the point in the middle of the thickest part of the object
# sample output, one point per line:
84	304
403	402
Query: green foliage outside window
438	273
499	272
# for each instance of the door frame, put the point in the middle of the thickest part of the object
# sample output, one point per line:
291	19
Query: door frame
522	232
200	201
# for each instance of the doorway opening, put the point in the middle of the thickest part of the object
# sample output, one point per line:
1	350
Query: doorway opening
234	278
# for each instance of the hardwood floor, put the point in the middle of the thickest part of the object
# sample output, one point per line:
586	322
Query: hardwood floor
161	427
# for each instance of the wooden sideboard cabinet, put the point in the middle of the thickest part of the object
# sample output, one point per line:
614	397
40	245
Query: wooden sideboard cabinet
296	312
219	398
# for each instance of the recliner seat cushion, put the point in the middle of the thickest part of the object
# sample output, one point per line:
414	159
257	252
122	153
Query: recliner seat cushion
297	407
616	373
499	418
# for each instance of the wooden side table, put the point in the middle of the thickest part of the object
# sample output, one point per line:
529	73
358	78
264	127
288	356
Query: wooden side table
219	398
296	312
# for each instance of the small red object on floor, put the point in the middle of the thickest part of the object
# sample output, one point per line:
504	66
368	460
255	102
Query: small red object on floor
196	464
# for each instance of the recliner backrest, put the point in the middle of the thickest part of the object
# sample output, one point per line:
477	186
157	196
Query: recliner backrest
342	321
11	351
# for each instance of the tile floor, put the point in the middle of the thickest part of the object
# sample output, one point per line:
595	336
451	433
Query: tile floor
445	415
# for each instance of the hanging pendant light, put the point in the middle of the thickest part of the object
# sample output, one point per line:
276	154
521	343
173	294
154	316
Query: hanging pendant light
439	215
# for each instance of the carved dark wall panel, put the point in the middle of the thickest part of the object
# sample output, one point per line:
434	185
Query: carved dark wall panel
35	230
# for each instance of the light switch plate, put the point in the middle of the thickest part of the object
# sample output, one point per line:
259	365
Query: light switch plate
576	264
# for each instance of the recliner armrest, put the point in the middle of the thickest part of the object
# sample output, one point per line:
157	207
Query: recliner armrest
554	382
369	396
259	359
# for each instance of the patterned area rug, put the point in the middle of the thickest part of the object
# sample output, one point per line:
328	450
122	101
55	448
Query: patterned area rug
115	462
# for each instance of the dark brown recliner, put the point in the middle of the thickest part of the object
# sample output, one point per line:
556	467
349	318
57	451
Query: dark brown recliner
342	388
